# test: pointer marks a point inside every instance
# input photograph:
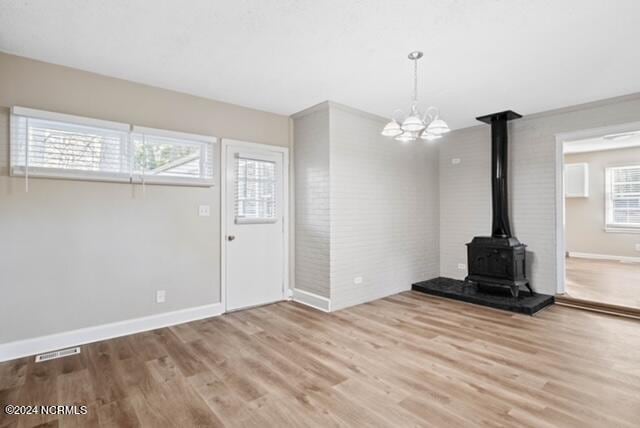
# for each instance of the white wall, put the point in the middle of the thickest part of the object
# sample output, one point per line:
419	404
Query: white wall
311	134
77	254
384	210
465	189
383	205
585	217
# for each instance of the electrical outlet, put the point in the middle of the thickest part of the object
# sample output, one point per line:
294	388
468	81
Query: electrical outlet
357	280
161	296
462	266
455	161
204	211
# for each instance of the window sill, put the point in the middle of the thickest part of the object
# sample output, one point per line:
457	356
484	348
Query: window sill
240	220
93	176
610	229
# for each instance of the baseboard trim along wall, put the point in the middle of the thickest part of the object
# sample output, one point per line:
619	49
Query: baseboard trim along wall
38	345
318	302
604	257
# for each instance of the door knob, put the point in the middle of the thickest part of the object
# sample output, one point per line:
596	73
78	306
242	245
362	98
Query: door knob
230	238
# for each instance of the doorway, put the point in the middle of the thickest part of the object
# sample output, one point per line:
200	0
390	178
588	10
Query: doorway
254	224
599	217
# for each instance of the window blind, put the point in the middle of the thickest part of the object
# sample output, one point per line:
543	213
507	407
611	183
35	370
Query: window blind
623	190
53	145
255	185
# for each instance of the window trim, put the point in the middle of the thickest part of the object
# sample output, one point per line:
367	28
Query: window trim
609	225
75	120
209	143
173	134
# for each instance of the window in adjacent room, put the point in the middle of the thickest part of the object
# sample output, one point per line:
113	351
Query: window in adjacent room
623	197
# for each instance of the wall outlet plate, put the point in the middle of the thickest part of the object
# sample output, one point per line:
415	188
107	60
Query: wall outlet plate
204	211
456	161
161	296
462	266
357	280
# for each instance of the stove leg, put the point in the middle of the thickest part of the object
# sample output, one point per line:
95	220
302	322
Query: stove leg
515	290
530	289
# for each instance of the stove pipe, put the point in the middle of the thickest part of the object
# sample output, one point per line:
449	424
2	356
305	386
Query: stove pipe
500	226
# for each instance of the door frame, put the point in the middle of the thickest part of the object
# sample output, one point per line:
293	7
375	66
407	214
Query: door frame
225	144
562	138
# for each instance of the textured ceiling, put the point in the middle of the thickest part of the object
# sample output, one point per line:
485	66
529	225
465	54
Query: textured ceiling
283	56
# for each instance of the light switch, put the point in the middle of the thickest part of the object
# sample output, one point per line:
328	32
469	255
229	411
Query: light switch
204	211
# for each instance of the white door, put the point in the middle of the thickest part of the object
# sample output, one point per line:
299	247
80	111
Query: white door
255	211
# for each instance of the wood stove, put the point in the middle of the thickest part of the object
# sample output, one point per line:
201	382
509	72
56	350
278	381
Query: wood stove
499	260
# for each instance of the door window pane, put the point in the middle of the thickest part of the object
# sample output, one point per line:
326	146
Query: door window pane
255	191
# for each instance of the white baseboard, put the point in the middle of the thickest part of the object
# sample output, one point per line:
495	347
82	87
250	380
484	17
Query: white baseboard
310	299
604	257
38	345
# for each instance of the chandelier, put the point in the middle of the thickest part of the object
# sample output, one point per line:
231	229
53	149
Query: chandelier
427	126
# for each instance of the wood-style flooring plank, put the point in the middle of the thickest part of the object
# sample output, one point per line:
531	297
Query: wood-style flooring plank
406	360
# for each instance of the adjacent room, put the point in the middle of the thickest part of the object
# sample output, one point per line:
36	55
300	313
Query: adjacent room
284	213
602	223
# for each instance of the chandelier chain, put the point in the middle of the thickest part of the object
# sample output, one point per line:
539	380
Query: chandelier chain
415	80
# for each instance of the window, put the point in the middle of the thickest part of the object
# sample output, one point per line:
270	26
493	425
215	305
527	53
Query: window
57	145
623	197
45	144
255	199
169	157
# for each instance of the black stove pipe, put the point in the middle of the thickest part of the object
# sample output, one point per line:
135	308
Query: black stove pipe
500	226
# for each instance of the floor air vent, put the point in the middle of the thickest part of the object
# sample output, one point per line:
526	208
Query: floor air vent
57	354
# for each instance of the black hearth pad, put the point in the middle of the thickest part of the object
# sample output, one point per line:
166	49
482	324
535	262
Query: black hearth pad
460	290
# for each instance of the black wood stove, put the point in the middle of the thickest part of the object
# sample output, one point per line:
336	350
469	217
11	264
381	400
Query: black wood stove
498	261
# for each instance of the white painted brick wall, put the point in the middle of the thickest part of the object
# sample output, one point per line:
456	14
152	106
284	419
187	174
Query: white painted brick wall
384	216
383	206
311	157
465	189
394	214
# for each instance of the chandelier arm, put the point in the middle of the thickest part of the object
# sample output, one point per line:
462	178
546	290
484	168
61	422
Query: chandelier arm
394	117
433	116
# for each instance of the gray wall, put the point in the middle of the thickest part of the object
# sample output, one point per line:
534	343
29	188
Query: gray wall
366	206
311	134
465	190
585	217
76	254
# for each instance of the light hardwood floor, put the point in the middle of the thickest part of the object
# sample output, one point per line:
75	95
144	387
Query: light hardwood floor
604	281
407	360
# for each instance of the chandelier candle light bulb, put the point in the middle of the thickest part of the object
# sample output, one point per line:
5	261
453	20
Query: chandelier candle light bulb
427	127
